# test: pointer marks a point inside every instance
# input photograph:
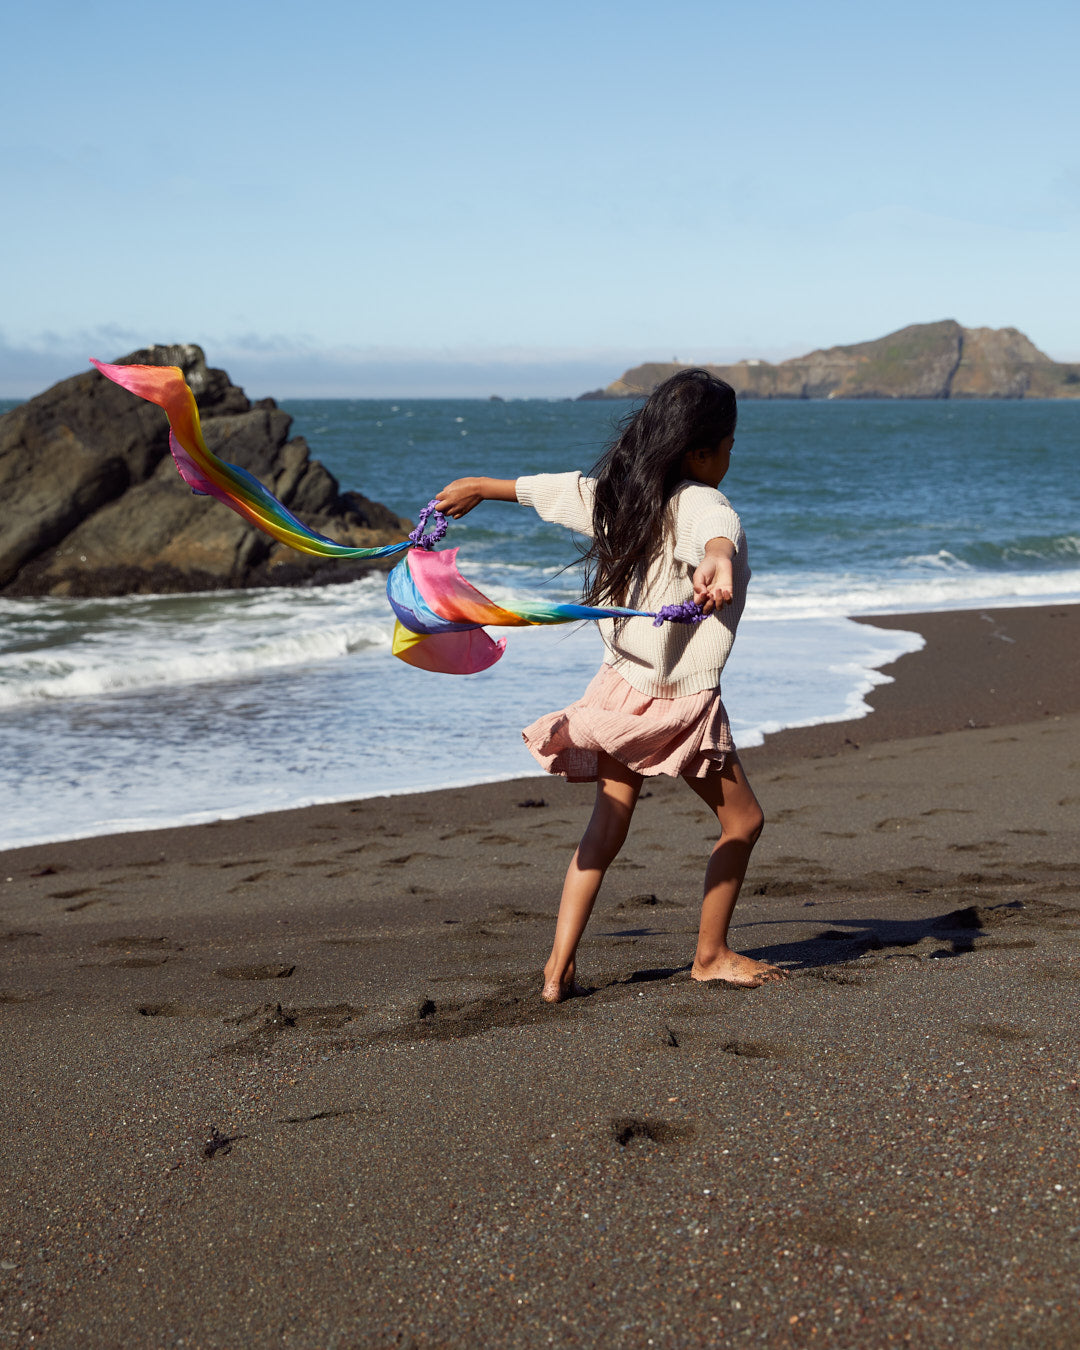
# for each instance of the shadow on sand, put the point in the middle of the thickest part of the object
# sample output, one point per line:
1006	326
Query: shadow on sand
952	934
955	933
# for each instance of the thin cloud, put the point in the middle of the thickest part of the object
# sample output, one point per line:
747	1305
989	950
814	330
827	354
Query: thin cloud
286	368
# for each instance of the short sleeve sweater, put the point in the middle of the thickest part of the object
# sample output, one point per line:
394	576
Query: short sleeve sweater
674	659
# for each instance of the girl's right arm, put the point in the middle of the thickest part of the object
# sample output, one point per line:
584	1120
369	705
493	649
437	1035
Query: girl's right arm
714	580
458	498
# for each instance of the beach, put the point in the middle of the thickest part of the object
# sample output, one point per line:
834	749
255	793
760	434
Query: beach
286	1079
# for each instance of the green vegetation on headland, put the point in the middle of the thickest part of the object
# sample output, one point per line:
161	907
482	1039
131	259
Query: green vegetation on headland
925	360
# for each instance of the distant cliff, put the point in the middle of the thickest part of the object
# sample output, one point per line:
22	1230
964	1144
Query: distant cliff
93	504
926	360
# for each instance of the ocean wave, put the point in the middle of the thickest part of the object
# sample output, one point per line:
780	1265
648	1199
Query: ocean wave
1027	551
821	596
86	671
1036	549
942	559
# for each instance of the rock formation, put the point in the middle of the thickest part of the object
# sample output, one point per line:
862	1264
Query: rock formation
93	504
925	360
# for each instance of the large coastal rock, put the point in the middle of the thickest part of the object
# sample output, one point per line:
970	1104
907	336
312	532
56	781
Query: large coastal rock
925	360
93	504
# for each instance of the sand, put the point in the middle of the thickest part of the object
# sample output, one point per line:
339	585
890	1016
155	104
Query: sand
287	1081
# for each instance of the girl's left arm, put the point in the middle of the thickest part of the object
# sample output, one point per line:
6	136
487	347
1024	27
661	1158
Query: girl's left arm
458	498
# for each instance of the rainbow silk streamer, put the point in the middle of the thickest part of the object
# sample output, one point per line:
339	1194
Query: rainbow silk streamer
441	617
204	473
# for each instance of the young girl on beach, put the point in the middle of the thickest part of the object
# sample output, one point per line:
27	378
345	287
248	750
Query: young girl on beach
661	534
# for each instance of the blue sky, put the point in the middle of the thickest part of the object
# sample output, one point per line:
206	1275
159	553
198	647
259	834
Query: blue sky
352	198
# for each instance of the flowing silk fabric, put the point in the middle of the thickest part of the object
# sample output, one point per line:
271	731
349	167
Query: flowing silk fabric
204	473
437	609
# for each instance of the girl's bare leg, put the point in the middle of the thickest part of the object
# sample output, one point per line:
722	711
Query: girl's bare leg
617	789
731	797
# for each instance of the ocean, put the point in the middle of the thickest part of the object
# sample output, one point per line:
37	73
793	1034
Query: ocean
147	711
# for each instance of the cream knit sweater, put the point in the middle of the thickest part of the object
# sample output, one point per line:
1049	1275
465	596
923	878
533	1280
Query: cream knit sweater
674	659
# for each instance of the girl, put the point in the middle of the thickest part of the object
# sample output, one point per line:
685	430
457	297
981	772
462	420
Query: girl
661	534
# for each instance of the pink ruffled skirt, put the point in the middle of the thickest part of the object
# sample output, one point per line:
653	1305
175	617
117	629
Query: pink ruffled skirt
685	737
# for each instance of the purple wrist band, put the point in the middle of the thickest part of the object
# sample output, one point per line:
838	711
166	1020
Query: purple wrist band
438	529
684	613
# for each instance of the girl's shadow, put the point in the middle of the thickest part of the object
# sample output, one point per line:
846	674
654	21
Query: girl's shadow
849	939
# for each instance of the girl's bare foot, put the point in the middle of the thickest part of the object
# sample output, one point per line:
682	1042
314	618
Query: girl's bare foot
553	992
557	988
732	968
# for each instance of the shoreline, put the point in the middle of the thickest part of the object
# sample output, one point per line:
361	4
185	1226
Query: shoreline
944	686
980	667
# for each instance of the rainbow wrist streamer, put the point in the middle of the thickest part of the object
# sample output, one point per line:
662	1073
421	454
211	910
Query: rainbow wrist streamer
441	617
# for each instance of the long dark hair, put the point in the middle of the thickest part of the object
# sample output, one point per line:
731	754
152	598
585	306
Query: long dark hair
639	471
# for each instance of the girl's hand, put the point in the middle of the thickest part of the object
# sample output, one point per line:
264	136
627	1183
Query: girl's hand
714	577
458	498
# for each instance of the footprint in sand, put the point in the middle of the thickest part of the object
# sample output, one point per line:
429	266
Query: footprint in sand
279	972
777	888
174	1009
274	1021
137	941
156	951
998	1031
862	1234
754	1049
1045	973
628	1130
647	901
402	859
333	1114
834	975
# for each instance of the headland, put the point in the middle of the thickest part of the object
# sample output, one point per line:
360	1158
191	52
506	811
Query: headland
924	360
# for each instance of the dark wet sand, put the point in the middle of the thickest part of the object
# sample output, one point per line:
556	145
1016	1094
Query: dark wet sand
286	1081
